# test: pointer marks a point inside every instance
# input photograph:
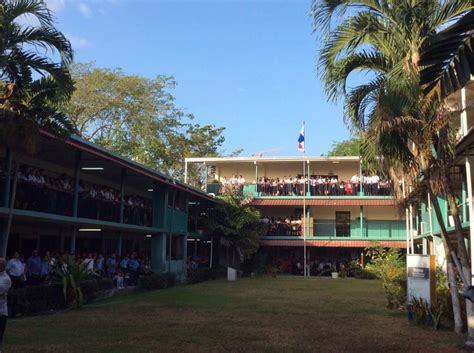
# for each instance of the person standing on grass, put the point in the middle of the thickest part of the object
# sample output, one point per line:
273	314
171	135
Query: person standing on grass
16	270
5	284
33	268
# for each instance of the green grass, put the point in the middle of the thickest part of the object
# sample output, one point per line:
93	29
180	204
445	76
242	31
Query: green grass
252	315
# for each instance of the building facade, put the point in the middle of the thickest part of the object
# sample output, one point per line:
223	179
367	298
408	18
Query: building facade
317	203
73	196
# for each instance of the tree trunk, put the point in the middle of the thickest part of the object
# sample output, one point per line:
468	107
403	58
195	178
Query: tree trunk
464	257
453	288
6	236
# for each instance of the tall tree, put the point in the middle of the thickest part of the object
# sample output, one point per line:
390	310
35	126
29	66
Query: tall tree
349	147
32	84
138	118
397	112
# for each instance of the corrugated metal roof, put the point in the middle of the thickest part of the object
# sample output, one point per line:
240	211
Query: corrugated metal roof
334	243
326	202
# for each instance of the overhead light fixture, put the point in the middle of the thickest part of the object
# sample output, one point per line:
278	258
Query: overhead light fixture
149	235
150	190
90	230
92	168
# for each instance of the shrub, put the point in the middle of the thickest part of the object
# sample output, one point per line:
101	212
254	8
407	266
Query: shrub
50	297
198	275
35	299
205	274
389	265
362	273
157	281
91	288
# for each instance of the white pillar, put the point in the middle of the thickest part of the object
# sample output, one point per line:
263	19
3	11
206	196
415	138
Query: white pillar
407	226
463	112
185	170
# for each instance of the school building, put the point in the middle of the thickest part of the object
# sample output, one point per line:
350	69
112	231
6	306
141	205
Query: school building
425	233
335	225
74	196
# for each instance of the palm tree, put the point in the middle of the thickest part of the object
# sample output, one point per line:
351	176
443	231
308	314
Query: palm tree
33	84
399	114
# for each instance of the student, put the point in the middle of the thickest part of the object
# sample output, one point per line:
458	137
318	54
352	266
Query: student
16	270
111	264
33	268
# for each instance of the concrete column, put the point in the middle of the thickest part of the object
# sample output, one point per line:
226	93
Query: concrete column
361	189
8	178
119	245
72	250
361	211
158	252
122	194
77	168
185	252
206	177
170	245
464	200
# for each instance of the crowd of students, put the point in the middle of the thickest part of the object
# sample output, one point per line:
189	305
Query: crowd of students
372	185
40	191
234	184
284	226
36	269
316	267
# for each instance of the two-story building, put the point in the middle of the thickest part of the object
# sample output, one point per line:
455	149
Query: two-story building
317	203
73	196
426	230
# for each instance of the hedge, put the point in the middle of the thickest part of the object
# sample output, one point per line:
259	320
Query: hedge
157	281
205	274
50	297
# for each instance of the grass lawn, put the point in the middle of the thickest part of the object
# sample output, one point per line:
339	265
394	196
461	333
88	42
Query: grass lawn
252	315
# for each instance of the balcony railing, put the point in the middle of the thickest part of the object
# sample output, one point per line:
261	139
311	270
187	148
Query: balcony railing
252	190
369	229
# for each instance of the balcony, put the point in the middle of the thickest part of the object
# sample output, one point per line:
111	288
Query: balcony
251	190
326	229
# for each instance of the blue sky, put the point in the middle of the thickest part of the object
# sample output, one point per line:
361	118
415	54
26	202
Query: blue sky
248	65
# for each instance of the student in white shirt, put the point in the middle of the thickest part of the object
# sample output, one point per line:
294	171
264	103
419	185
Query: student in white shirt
16	270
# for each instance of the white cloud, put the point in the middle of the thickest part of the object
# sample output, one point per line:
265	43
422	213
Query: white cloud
56	5
77	42
85	10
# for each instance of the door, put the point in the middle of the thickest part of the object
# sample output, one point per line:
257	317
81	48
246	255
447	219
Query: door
343	224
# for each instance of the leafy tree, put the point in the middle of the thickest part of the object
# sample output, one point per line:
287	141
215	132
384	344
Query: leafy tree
350	147
237	225
32	84
404	120
138	118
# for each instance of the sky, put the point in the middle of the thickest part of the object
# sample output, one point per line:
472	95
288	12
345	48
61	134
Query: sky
247	65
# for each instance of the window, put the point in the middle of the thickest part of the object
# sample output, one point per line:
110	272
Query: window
343	224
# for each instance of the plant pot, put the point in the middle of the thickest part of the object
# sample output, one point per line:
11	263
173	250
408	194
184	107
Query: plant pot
334	274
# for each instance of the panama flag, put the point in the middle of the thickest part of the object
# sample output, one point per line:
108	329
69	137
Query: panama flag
301	140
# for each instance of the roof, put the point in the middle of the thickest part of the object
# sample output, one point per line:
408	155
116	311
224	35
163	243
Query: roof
84	145
326	202
335	243
270	159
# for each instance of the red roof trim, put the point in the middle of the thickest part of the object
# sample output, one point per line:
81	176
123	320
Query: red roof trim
326	202
335	243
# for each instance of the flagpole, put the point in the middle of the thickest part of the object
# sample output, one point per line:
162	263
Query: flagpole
304	202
